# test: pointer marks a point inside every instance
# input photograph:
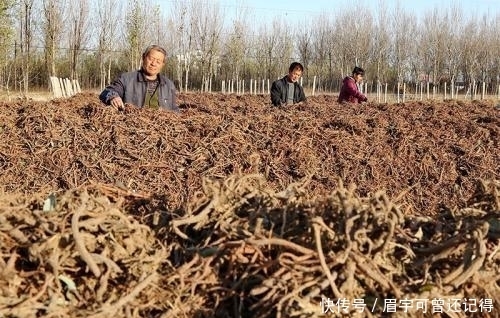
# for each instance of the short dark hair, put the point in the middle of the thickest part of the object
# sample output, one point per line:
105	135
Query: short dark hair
295	65
154	47
358	70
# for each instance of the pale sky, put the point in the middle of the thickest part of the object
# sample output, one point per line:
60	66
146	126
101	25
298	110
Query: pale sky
261	10
258	12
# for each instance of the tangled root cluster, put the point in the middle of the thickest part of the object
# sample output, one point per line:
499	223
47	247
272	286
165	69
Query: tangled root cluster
244	251
236	209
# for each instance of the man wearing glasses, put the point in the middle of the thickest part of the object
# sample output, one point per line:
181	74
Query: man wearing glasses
145	87
350	92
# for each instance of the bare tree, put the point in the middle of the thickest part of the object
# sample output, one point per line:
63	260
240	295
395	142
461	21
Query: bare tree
489	50
380	45
454	48
108	12
79	21
184	38
52	26
435	30
471	39
392	45
26	34
323	48
276	44
206	22
6	41
403	27
304	37
236	49
363	26
138	32
495	47
343	49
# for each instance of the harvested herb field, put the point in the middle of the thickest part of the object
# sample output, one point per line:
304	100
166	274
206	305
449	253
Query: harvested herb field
233	208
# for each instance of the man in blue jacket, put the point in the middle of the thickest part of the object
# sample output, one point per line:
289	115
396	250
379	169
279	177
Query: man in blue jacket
145	87
287	90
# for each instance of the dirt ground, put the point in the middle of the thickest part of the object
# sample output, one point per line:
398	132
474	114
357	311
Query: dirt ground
234	208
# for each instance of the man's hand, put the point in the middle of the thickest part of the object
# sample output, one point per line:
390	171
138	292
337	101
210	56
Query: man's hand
117	103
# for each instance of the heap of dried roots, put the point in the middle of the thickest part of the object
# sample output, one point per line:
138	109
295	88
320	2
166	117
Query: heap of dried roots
243	250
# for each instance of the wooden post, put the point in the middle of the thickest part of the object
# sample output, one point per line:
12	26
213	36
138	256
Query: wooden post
404	91
379	94
223	85
56	87
251	87
385	93
498	92
263	87
483	92
421	90
428	90
63	89
268	88
445	97
452	89
76	88
379	89
70	87
473	95
397	93
314	85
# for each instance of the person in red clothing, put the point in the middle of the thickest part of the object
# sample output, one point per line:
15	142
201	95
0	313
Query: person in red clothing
350	92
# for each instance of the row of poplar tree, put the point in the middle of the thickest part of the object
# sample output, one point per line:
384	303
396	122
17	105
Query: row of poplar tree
207	43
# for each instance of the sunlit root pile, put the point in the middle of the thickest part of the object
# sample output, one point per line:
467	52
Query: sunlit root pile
83	257
233	208
432	152
243	250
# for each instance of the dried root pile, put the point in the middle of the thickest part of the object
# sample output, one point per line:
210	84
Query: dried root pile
84	257
432	152
235	209
244	251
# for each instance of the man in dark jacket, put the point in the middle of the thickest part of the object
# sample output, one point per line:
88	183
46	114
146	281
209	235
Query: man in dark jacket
287	90
350	92
144	87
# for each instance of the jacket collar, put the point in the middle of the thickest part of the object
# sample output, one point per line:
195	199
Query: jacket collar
141	77
285	80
